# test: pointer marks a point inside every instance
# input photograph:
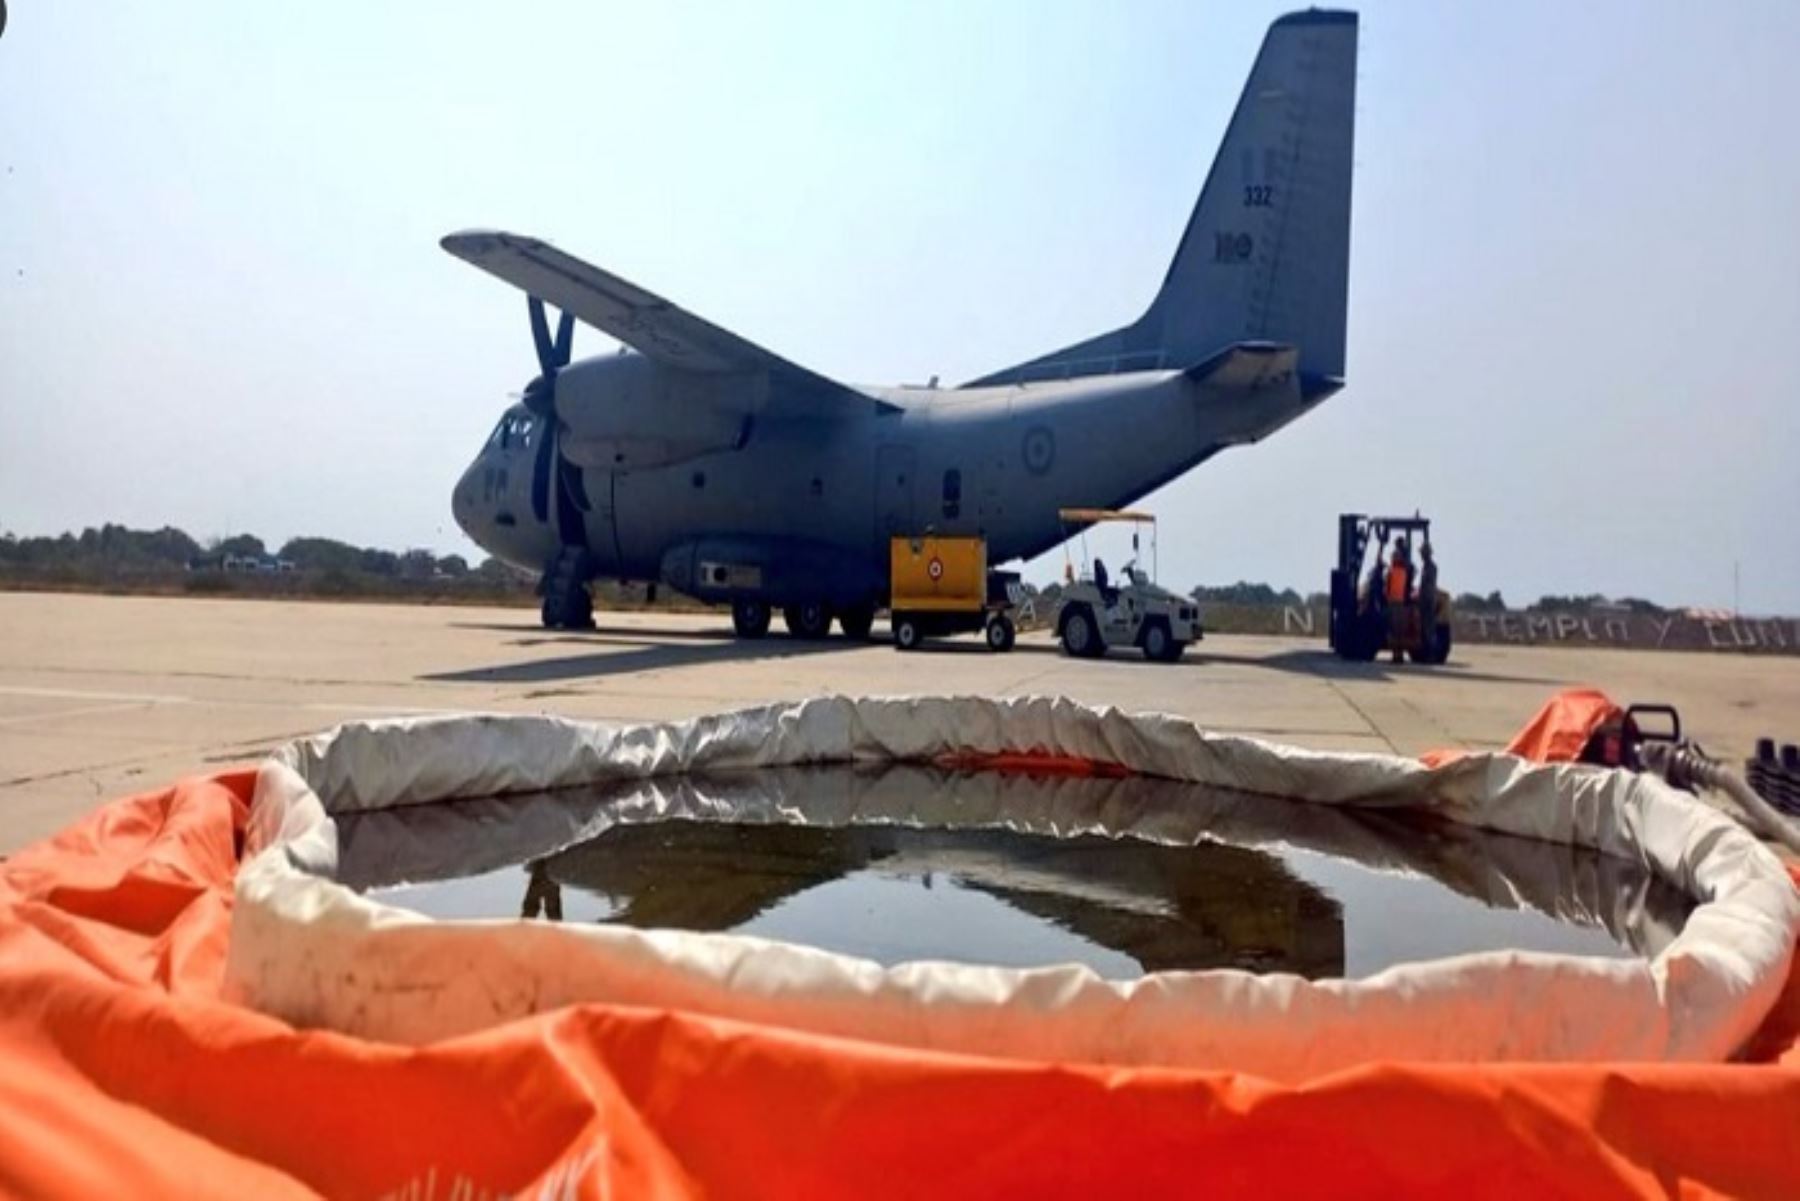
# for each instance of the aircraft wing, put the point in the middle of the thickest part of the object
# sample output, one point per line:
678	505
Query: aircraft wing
645	322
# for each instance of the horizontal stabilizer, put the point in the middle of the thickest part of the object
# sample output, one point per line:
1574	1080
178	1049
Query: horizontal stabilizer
1248	366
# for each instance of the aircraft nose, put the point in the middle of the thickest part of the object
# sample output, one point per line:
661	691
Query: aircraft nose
462	502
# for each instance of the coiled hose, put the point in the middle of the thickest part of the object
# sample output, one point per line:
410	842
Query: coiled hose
1687	766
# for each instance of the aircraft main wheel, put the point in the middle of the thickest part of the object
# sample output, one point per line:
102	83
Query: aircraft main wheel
1000	633
750	618
857	621
811	620
1080	636
907	634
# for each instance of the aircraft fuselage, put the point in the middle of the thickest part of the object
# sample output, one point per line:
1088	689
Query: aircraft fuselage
828	494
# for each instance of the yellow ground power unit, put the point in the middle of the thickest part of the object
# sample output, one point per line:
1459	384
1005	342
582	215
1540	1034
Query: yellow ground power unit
941	585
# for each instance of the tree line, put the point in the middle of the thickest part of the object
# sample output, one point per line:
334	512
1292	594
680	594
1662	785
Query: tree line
121	548
113	551
117	554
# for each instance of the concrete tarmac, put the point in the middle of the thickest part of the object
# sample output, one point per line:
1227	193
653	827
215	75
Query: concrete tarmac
103	696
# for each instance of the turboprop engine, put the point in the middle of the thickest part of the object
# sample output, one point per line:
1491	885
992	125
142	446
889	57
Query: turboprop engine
628	412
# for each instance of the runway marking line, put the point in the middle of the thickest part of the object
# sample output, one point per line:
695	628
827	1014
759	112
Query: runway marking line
81	694
84	711
120	701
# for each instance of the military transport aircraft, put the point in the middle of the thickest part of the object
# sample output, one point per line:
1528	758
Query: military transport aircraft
695	458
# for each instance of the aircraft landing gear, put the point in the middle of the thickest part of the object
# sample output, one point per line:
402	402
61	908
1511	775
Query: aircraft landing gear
567	604
811	620
750	618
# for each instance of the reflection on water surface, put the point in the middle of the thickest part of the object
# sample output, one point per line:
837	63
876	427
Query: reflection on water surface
908	862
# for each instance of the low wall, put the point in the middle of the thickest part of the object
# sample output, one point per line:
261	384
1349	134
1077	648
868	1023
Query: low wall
1630	631
1675	632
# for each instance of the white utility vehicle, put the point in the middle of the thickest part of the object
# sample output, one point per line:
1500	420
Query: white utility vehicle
1098	612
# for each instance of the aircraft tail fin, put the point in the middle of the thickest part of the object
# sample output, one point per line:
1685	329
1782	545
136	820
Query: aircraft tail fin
1265	257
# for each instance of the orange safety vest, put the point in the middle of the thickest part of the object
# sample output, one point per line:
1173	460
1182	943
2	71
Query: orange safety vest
1396	583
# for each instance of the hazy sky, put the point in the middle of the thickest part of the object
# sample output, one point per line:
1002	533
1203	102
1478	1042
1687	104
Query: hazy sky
1575	264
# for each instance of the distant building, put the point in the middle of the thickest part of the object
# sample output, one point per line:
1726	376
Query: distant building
1715	615
268	564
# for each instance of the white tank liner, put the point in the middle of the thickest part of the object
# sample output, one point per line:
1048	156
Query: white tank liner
317	954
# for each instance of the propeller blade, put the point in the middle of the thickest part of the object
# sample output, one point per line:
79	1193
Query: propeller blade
565	338
552	354
540	336
540	397
541	468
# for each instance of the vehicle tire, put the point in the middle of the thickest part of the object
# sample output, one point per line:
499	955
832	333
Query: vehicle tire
1158	642
1000	633
907	634
750	618
1080	636
567	610
1367	637
811	620
1437	651
857	621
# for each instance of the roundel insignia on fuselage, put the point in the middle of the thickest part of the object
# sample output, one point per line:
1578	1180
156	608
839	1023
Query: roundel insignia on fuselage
935	569
1038	449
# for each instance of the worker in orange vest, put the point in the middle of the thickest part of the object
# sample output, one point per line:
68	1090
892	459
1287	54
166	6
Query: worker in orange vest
1399	592
1400	575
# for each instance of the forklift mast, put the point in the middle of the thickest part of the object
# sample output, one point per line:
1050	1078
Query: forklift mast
1353	539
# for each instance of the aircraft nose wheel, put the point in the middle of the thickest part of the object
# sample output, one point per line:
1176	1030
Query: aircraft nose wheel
750	618
810	620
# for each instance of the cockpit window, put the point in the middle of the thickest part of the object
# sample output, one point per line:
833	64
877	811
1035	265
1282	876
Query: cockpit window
514	431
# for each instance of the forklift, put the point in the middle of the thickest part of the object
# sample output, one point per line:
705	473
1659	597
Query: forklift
1363	623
